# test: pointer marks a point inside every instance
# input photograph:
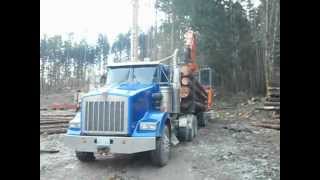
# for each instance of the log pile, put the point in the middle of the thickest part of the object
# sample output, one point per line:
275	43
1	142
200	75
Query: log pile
193	96
273	90
273	99
57	106
272	103
54	122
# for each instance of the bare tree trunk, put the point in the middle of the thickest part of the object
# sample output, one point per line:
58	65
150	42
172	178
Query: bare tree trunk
266	55
42	76
275	28
258	70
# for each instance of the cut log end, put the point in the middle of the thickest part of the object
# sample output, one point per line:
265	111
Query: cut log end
184	91
269	108
185	81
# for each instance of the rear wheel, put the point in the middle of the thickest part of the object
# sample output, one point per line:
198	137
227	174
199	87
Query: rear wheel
195	126
202	119
161	155
85	156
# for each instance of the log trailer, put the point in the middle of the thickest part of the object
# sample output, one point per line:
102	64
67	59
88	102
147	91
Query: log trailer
143	107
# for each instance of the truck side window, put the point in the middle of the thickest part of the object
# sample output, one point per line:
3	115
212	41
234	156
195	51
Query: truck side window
164	73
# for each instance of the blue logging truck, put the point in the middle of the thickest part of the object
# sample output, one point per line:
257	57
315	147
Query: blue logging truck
142	107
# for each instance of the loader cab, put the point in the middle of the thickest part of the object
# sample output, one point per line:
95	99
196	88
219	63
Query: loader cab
205	79
205	76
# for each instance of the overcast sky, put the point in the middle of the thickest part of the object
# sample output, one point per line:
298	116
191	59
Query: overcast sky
90	17
87	18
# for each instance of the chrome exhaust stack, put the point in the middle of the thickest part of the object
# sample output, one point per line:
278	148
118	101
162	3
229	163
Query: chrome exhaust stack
175	84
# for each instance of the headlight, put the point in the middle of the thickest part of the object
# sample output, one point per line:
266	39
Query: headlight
148	126
74	125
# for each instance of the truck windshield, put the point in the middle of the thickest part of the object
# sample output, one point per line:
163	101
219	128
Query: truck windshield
134	74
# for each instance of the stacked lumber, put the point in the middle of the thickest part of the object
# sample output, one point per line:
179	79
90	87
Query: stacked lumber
273	99
272	102
62	106
43	108
54	122
193	95
273	90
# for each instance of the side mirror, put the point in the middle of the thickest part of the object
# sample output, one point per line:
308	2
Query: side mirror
103	80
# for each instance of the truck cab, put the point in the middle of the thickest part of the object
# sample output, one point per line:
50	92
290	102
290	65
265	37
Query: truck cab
130	113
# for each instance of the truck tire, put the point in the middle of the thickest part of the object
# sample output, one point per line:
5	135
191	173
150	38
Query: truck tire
161	155
202	119
188	133
195	126
85	156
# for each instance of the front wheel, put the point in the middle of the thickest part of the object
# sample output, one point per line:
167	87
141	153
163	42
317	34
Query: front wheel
161	155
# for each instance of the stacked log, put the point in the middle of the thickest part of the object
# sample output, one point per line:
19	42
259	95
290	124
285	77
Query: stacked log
273	90
61	106
273	98
193	95
272	103
54	122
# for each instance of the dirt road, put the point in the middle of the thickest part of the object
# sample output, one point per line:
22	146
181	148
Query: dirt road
227	149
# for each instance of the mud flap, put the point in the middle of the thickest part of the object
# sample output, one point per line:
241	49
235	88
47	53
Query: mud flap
174	139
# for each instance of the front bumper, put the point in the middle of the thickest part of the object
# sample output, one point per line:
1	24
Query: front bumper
121	145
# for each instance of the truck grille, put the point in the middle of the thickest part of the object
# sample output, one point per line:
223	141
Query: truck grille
105	115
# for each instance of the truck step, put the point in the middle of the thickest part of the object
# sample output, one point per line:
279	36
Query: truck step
174	139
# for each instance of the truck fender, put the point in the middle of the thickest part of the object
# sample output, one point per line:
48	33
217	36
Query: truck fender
76	119
154	116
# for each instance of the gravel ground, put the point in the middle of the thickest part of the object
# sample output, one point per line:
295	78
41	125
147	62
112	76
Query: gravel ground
229	148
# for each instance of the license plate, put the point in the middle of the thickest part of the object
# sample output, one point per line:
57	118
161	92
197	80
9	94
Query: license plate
103	141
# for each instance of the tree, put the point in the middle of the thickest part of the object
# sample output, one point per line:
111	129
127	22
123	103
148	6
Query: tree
103	49
63	63
143	45
229	39
43	61
241	43
121	47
